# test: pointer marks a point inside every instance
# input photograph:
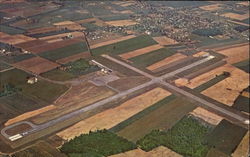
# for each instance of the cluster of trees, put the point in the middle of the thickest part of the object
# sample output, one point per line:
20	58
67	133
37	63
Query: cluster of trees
208	32
185	138
97	143
8	90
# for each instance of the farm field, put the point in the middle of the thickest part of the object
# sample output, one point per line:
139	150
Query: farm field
159	151
211	7
58	75
4	66
64	51
17	58
37	65
15	39
153	57
162	40
227	90
243	65
82	95
125	46
236	16
242	104
121	23
156	118
111	117
226	137
166	61
11	30
47	91
242	148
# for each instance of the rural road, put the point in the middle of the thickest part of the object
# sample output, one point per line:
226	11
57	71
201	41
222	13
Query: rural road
154	80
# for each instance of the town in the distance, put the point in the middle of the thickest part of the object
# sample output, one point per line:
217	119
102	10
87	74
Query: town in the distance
125	78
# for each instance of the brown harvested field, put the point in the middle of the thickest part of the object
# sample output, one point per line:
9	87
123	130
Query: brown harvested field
111	117
121	23
73	57
51	46
15	39
2	35
236	54
42	30
11	1
246	3
200	54
64	23
166	61
206	115
236	16
37	65
77	97
126	83
211	7
240	23
160	151
227	90
201	79
243	148
17	129
141	51
29	115
245	94
74	34
112	41
30	44
86	20
163	40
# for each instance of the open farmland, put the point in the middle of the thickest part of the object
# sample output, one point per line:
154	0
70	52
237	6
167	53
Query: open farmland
227	90
58	75
242	53
113	116
10	30
243	148
225	137
155	118
212	7
37	65
76	97
153	57
243	65
15	39
64	51
141	51
166	61
125	46
236	16
242	104
157	152
121	23
47	91
163	40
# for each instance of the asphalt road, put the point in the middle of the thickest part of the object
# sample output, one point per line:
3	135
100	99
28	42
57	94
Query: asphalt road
154	80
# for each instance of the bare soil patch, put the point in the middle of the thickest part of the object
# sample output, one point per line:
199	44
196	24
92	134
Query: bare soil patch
236	16
236	54
200	54
112	117
29	115
246	3
246	94
227	90
166	61
121	23
163	40
77	97
37	65
206	115
141	51
74	34
42	30
212	7
17	129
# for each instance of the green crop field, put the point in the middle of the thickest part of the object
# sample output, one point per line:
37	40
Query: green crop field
225	137
155	117
97	144
58	75
185	138
64	51
4	66
241	104
10	30
147	59
210	83
14	105
43	90
18	58
243	65
125	46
